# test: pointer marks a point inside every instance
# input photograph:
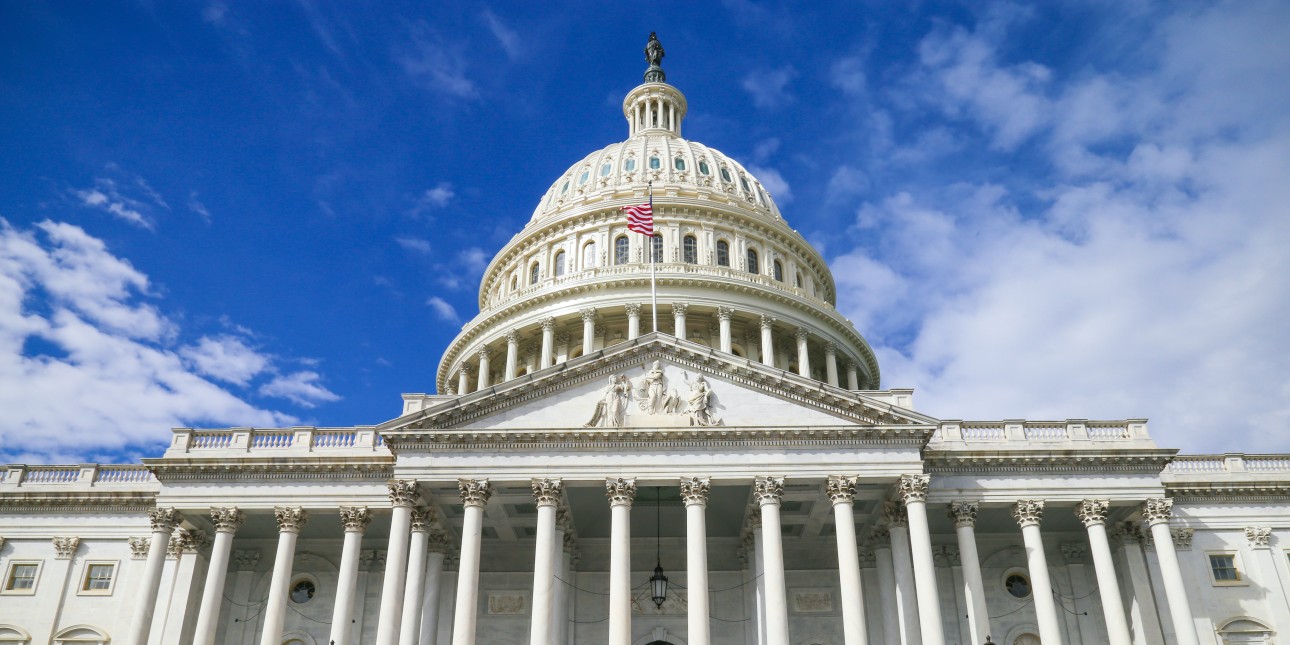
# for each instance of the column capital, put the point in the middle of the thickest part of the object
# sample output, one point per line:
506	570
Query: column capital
438	542
963	513
290	518
1028	512
513	337
1157	510
866	557
767	321
620	491
185	541
768	490
840	489
548	323
547	492
679	308
65	547
725	313
913	488
562	338
464	369
1127	532
482	353
1074	552
355	518
633	308
946	555
422	518
588	314
164	520
802	334
1182	538
227	519
139	547
754	520
246	559
563	521
880	537
1093	511
694	490
1260	537
403	492
831	348
474	492
895	514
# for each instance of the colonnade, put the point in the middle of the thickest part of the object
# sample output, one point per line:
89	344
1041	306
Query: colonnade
902	548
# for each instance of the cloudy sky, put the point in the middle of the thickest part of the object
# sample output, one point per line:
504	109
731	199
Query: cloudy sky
277	213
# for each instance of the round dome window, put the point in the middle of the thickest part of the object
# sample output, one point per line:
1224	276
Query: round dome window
1018	585
303	590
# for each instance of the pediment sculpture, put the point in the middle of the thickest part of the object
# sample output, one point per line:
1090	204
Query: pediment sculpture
653	398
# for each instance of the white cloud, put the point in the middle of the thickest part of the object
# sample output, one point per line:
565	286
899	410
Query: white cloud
214	13
133	206
848	75
436	66
87	367
226	358
846	181
439	196
302	388
769	88
195	205
414	244
443	309
774	183
506	37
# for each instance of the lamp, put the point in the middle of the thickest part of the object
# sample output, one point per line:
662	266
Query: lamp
658	582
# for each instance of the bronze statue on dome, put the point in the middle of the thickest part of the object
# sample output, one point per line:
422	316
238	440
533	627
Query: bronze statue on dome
654	56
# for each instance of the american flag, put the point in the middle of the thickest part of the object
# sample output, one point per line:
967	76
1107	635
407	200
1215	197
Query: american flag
640	218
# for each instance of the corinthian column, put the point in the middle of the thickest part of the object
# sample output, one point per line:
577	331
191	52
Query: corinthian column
842	492
853	379
588	330
474	496
438	546
226	521
512	354
414	589
723	325
1156	512
633	320
767	341
1092	512
913	489
403	494
831	363
906	615
964	516
290	521
803	352
678	319
546	494
769	491
1028	513
620	492
463	379
547	358
482	354
694	492
355	519
164	521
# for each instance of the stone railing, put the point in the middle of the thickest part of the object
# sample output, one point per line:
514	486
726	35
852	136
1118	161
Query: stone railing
222	442
1002	435
21	475
1229	466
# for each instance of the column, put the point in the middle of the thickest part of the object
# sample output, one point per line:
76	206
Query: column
547	358
759	572
164	521
437	547
767	341
803	354
842	492
1156	512
1075	557
245	560
1140	602
290	520
620	492
853	379
355	519
1092	512
678	319
482	354
226	521
559	592
512	354
769	491
903	573
474	496
546	494
588	330
694	492
1028	513
463	379
413	590
403	495
633	320
913	489
880	541
831	363
724	314
963	515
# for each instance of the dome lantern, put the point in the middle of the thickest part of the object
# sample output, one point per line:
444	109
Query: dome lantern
654	107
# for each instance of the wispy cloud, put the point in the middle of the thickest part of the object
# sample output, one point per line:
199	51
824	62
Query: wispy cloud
506	37
769	88
432	198
443	309
195	205
125	196
227	358
774	183
302	388
435	66
414	244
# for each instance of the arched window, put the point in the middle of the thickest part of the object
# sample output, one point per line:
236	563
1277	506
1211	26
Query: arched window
656	248
690	249
11	635
534	273
622	250
589	255
558	269
679	163
799	280
515	283
779	270
81	635
752	262
723	253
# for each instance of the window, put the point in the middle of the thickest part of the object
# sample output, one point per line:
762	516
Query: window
98	577
303	590
604	170
1018	585
723	253
799	280
565	188
621	250
515	283
80	636
654	163
582	179
534	273
21	578
704	169
752	262
725	174
589	255
679	163
656	248
779	270
1223	569
559	263
629	164
690	249
744	182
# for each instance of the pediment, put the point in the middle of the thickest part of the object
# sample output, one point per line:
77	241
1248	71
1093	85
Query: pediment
657	382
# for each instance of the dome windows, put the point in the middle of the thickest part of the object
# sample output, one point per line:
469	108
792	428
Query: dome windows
723	253
582	179
535	272
743	181
679	163
565	188
690	249
753	266
589	255
703	167
654	163
629	164
604	169
656	248
621	250
558	265
778	268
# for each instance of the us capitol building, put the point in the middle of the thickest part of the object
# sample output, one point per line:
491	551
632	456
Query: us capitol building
737	477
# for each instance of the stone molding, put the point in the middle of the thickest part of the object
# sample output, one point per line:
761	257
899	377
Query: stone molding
768	490
840	489
474	492
1157	510
963	514
355	518
290	518
1092	511
620	491
227	519
913	488
256	468
1260	537
694	490
547	492
1027	460
895	514
65	547
1028	512
164	520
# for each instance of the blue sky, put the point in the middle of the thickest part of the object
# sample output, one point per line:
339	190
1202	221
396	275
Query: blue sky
265	214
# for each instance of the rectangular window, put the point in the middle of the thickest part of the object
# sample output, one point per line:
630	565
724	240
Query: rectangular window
98	577
21	577
1222	566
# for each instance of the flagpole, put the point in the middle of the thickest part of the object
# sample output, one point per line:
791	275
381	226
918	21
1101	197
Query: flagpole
653	289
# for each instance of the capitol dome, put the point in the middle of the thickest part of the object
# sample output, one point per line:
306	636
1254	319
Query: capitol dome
729	271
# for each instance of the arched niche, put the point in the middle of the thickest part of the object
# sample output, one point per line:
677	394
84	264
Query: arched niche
1244	630
81	635
13	635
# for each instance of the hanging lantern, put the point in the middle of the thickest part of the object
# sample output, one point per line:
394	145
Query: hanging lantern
658	582
658	585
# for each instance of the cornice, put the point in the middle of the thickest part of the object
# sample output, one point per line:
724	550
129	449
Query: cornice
78	501
1229	492
1131	460
682	439
372	468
